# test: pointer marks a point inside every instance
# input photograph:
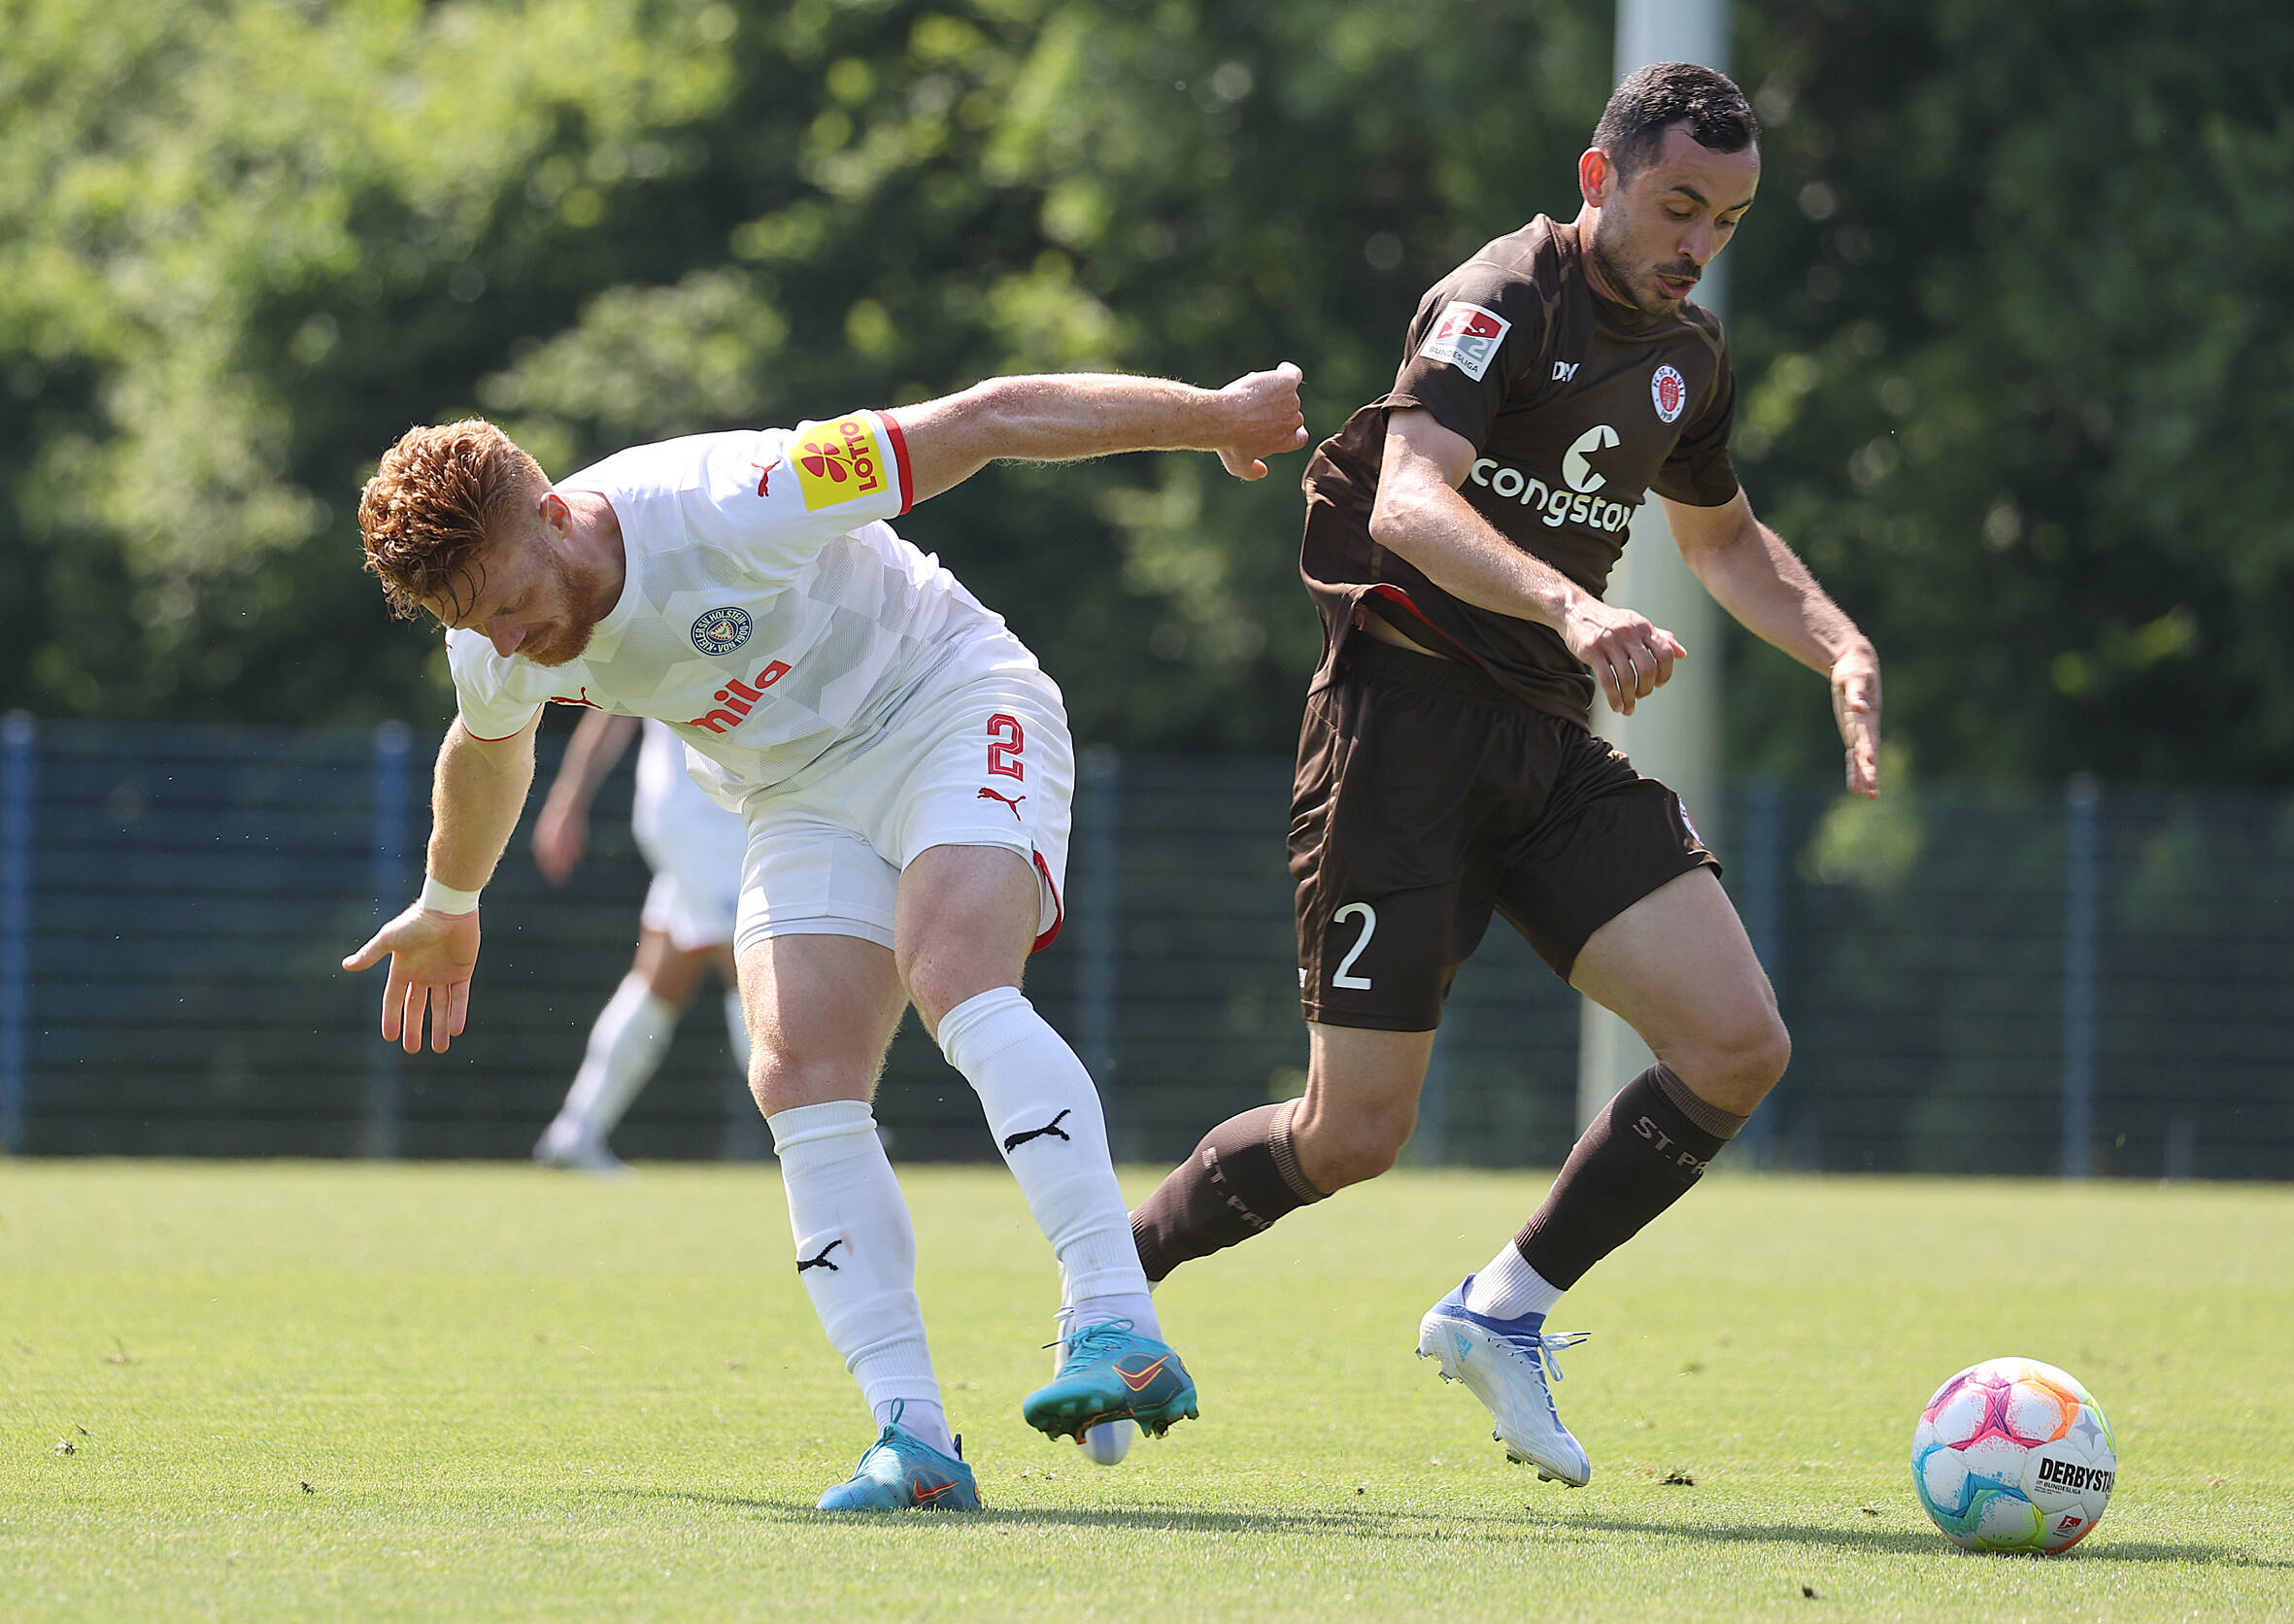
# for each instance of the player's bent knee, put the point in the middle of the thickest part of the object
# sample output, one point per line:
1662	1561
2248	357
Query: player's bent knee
937	986
1735	1069
1334	1154
783	1082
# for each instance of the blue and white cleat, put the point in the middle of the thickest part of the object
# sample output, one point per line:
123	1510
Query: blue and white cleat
901	1472
1112	1373
1507	1364
1108	1443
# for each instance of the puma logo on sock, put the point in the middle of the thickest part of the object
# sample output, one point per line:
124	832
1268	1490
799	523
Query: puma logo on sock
821	1262
1051	1128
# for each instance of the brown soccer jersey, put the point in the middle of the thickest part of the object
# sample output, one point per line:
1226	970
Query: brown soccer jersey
1575	407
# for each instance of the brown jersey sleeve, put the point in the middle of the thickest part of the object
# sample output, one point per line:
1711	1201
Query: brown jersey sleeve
1478	340
1700	472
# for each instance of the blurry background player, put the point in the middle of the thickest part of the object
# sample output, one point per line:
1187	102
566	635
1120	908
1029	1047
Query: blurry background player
904	772
693	847
1460	531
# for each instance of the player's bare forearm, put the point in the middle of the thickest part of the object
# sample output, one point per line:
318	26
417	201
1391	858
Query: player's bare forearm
1065	416
477	794
1756	578
1420	519
1762	582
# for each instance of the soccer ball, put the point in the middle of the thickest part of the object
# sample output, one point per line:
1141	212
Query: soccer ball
2013	1455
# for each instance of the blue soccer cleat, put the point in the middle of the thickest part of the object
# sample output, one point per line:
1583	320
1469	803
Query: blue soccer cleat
900	1472
1108	1443
1112	1373
1506	1363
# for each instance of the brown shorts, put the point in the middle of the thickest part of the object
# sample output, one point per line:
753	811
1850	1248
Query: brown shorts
1427	796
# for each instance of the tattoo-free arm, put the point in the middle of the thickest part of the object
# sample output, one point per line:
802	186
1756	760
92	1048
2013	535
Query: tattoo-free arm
476	792
1063	417
1420	517
1756	578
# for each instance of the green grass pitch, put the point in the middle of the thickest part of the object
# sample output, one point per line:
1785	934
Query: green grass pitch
467	1392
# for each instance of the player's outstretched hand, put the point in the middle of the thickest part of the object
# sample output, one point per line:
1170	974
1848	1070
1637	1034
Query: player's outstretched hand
1856	707
1629	657
1266	417
432	958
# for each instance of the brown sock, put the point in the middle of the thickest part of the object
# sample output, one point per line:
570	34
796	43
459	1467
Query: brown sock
1640	1155
1241	1179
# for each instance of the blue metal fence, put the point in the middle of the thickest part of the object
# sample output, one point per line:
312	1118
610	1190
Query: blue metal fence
2092	981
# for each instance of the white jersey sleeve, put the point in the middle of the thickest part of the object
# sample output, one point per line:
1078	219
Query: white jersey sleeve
490	710
775	499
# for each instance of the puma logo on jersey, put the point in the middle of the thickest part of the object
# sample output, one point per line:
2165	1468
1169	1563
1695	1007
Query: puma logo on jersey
821	1262
764	477
1014	1141
1012	801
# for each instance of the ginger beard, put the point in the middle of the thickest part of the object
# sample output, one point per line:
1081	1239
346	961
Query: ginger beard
563	640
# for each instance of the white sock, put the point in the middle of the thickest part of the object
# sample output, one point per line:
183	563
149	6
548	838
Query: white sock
1045	1115
921	1417
736	1034
1136	1306
856	1253
1507	1288
626	1043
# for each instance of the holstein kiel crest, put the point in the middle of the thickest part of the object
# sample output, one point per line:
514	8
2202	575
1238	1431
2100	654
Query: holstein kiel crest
721	630
1668	391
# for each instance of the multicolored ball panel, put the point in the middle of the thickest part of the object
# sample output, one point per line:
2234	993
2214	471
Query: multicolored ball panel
2013	1455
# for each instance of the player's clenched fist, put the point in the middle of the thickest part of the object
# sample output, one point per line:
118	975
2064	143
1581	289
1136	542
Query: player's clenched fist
1266	420
432	957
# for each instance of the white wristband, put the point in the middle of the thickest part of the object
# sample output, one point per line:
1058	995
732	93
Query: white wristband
444	899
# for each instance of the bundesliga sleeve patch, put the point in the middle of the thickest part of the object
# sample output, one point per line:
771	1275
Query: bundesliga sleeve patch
841	461
1467	336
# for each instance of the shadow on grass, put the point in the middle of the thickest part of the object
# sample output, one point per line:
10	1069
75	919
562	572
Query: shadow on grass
1410	1522
1911	1542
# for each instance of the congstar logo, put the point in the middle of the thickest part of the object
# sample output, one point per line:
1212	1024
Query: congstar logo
1576	501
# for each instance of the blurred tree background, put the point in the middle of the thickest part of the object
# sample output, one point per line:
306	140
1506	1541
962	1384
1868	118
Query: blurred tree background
2008	316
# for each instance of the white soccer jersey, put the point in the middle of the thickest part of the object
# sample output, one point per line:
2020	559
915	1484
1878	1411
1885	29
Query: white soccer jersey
768	611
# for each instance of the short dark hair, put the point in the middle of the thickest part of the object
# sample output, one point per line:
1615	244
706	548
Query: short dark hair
1653	99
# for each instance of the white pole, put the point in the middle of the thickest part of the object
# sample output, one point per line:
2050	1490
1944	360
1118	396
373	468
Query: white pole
1675	733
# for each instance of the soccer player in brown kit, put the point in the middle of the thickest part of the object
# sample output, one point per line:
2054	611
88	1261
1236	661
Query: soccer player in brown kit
1460	531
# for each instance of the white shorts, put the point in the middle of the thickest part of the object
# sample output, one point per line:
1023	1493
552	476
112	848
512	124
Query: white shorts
981	758
692	845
